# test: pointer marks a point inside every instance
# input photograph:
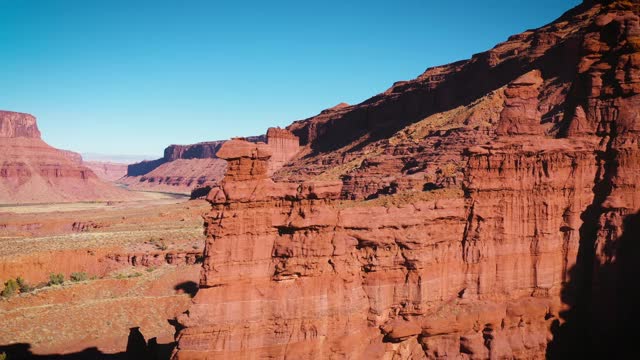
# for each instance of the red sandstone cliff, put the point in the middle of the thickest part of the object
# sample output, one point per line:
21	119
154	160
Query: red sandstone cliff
14	125
502	216
33	172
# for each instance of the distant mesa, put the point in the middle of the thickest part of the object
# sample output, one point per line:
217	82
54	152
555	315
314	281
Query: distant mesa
31	171
108	171
18	125
188	169
182	168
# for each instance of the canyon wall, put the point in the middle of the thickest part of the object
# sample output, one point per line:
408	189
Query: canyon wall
196	151
284	146
180	170
291	270
13	125
487	209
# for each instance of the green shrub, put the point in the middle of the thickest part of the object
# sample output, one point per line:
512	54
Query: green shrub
23	286
79	276
10	288
3	356
56	279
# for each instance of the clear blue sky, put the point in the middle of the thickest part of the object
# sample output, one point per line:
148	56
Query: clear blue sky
133	76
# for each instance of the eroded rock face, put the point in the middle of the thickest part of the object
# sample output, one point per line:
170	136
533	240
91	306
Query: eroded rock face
202	150
285	146
501	220
190	168
31	171
291	266
14	124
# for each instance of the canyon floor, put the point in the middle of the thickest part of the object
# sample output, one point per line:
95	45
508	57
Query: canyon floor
126	265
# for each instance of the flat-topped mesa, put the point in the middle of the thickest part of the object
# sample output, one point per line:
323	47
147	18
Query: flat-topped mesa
15	124
203	150
31	171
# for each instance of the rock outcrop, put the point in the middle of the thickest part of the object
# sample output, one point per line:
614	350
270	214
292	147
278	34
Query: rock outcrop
14	125
487	209
182	168
203	150
284	146
33	172
189	168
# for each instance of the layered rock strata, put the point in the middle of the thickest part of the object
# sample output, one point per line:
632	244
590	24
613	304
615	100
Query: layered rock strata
188	169
108	171
31	171
501	221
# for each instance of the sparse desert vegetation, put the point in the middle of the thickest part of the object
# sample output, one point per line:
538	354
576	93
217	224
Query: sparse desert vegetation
107	269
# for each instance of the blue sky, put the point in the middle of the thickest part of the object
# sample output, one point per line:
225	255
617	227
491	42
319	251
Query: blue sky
131	77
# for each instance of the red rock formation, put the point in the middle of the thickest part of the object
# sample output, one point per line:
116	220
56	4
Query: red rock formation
203	150
73	156
32	171
187	168
13	125
108	171
521	115
178	176
503	218
182	168
285	146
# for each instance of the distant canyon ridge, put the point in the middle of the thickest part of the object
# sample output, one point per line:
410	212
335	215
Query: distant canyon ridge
182	169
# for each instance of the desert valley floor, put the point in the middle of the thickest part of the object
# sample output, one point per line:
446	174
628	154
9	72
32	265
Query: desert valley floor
137	265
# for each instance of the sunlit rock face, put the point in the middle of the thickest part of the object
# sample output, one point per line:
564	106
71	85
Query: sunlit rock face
31	171
487	209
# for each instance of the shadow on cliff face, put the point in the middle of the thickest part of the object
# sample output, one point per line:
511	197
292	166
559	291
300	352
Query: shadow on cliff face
23	351
137	348
603	299
187	287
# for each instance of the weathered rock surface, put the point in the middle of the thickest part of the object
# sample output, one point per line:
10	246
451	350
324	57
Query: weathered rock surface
203	150
14	124
182	168
284	145
178	176
501	220
187	168
33	172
